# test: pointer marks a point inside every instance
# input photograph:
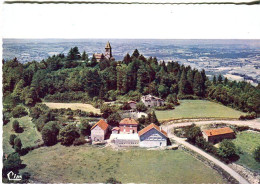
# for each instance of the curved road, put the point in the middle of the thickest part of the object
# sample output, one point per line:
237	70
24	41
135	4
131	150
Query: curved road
252	123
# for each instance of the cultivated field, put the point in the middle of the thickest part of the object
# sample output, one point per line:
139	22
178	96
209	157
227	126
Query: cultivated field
95	164
247	142
198	109
73	106
30	136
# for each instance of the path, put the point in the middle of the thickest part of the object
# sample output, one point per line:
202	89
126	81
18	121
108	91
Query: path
226	168
251	123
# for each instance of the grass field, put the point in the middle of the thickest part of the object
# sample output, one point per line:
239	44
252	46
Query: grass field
91	164
198	109
73	106
29	137
248	141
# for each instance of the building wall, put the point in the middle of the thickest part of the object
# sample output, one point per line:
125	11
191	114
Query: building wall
97	134
132	105
152	103
218	138
128	129
126	142
153	138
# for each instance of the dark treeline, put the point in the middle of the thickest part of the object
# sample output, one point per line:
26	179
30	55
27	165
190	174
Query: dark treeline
74	77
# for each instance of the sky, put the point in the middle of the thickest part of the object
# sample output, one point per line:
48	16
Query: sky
130	21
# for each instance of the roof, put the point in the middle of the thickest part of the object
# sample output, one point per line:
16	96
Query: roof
131	102
116	128
108	46
98	55
151	126
218	131
102	124
128	121
150	97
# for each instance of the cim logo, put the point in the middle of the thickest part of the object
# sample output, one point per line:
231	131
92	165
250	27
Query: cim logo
13	177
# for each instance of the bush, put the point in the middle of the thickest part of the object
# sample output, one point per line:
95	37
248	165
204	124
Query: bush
12	163
141	107
19	111
114	119
17	144
172	98
192	132
125	106
68	134
5	119
16	126
107	110
227	149
257	154
50	132
79	141
112	181
167	106
248	116
11	139
84	128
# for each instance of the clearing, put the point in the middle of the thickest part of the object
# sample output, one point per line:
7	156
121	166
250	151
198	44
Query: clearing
29	137
96	164
73	106
196	109
247	142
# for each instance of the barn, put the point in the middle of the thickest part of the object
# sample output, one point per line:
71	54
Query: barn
152	136
218	134
99	131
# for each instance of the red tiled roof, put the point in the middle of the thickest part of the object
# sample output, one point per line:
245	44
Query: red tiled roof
102	124
116	128
218	131
128	121
149	127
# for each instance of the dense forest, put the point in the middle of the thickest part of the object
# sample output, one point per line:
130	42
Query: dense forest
76	78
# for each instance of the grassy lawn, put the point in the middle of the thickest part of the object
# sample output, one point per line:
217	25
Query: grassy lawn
73	106
248	141
198	109
92	164
29	137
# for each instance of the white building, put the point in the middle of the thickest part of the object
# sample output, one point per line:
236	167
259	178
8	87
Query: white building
99	131
151	101
152	136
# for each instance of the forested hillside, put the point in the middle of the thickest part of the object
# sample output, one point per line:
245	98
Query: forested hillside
75	78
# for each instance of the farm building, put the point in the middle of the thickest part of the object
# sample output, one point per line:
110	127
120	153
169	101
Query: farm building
151	101
132	104
152	136
128	126
99	131
217	135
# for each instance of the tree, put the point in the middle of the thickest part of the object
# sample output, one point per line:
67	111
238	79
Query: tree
192	132
68	134
257	154
19	111
73	54
172	98
11	139
12	163
16	126
84	56
141	107
127	59
214	80
114	119
226	149
198	85
107	110
220	80
85	128
153	119
18	144
50	132
135	54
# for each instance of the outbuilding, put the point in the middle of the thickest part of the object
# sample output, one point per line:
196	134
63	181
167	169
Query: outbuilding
99	131
218	134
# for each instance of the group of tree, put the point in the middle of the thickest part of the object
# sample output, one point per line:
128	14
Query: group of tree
29	83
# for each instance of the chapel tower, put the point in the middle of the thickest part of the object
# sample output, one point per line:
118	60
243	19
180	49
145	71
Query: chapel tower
108	53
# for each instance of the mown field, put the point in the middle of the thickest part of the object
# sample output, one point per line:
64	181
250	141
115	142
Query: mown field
198	109
73	106
92	164
29	137
247	142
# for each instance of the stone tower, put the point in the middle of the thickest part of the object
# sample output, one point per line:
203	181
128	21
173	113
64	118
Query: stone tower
108	53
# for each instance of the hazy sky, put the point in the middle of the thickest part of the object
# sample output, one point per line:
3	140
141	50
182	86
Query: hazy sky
130	21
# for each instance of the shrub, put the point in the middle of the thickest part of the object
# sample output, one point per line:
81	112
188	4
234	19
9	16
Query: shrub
257	154
192	132
112	181
79	141
141	107
167	106
12	163
114	119
16	126
5	119
68	134
17	144
172	98
50	132
19	111
248	116
125	106
227	149
84	128
11	139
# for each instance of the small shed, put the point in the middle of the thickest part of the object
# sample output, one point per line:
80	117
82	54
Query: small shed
218	134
